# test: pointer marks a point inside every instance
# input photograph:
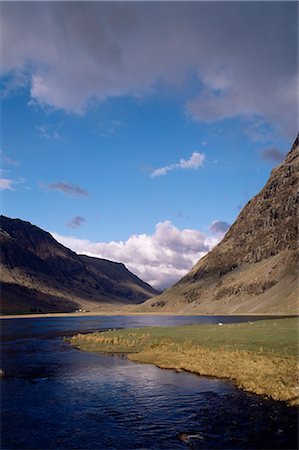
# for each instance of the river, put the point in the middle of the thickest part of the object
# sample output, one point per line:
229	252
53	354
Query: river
56	397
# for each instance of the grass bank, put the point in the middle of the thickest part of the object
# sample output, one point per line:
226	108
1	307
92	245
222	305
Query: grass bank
260	357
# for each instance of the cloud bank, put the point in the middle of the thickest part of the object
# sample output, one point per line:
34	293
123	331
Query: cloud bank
160	259
194	162
73	53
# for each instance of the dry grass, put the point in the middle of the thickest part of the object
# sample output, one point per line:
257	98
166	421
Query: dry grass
260	357
271	376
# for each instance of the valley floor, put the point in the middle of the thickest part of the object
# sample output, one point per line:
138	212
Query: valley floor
260	357
131	312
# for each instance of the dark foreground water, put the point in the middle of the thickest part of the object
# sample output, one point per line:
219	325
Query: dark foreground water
56	397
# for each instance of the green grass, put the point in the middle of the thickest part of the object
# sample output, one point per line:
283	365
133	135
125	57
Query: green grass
260	356
278	336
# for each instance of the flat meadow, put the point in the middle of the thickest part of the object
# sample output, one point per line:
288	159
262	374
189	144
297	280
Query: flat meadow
260	356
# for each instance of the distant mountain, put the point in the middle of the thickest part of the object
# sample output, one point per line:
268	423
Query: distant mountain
254	269
39	274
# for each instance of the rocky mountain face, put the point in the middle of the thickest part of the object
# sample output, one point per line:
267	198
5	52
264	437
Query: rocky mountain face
39	274
254	269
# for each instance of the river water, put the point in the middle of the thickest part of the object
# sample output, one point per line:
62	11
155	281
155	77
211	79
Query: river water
56	397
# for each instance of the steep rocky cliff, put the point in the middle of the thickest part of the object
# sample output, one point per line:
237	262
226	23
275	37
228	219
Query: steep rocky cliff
255	267
39	274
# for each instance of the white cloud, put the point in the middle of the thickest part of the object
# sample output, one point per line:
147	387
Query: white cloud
245	56
7	184
8	161
194	162
160	259
47	133
109	129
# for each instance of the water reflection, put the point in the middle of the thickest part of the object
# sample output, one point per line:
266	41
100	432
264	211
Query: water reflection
56	326
56	397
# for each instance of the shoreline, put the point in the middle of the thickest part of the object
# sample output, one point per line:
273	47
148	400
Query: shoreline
282	394
128	313
259	357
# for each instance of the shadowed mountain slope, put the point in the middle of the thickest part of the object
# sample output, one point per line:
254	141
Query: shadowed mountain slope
38	273
254	269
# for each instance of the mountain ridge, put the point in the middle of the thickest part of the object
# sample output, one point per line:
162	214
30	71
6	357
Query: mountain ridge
38	273
255	267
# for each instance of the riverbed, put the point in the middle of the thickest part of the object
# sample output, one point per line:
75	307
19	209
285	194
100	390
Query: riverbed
56	397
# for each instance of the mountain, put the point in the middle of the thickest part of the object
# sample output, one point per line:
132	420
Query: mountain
39	274
254	269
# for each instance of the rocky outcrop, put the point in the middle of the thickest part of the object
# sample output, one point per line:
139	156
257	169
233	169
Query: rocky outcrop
39	274
255	267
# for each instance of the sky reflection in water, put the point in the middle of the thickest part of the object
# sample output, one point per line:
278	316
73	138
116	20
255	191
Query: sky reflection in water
56	397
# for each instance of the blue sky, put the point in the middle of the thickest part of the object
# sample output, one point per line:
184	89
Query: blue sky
137	132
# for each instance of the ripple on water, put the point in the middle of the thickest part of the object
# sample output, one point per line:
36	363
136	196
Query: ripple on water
56	397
